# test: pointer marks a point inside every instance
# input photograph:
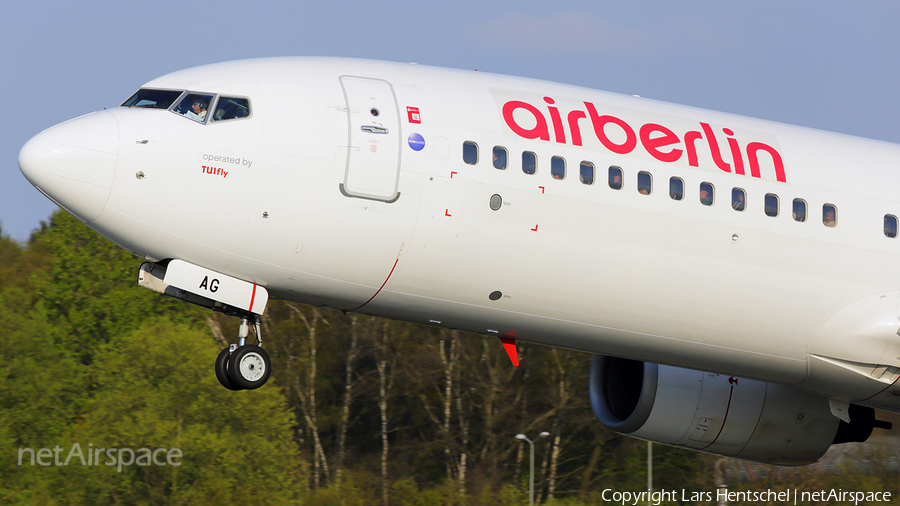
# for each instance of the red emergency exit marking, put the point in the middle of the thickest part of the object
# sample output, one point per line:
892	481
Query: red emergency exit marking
446	212
452	173
542	189
534	229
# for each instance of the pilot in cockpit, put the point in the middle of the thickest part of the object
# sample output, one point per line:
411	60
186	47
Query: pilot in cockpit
197	111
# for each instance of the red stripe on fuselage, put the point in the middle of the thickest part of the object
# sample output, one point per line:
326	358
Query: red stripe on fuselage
382	286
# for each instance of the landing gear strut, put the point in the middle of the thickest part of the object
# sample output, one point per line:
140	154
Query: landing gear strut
244	366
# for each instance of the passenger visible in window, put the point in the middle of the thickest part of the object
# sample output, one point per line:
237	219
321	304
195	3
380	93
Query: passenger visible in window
529	162
499	158
470	152
799	212
558	167
587	173
706	194
829	215
645	183
890	225
615	178
737	199
676	188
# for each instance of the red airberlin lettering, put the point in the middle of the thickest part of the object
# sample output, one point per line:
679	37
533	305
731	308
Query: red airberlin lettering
652	143
600	123
659	141
538	132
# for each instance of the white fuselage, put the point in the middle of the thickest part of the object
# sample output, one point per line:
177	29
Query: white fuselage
320	201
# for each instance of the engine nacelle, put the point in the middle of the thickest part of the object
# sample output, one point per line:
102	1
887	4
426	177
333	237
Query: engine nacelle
708	412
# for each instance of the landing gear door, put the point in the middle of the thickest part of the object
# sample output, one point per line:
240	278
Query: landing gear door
373	154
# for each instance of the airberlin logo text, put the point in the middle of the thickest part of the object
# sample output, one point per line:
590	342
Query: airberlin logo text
657	140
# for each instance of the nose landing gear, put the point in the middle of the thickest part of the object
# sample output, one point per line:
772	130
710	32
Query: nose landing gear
244	366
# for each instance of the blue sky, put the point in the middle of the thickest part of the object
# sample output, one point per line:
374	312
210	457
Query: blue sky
823	64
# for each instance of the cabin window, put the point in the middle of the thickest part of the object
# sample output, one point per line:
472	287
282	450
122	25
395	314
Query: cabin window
529	162
194	106
558	167
676	188
153	99
645	183
231	108
707	193
587	173
499	158
890	225
799	212
470	152
829	215
615	178
738	199
771	204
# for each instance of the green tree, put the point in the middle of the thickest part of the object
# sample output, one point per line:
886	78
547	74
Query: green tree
40	385
153	389
94	360
89	287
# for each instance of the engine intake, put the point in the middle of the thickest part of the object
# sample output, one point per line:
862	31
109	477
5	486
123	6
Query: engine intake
735	417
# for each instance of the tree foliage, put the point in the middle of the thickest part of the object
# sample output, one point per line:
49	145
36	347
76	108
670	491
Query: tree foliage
96	361
359	410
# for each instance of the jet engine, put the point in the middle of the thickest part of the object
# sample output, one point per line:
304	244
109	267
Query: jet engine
735	417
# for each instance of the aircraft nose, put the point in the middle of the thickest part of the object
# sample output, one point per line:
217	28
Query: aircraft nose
73	163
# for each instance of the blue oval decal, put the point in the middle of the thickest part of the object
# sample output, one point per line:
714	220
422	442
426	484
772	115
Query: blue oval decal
416	142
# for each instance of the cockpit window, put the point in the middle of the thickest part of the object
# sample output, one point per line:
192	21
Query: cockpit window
154	99
194	106
231	108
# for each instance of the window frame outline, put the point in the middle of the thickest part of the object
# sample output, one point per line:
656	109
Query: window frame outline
712	197
564	166
805	210
214	99
638	186
219	96
680	180
744	193
621	177
534	155
506	153
896	226
834	208
777	205
477	153
593	172
177	99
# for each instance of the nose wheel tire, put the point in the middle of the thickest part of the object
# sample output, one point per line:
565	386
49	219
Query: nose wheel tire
248	367
222	370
